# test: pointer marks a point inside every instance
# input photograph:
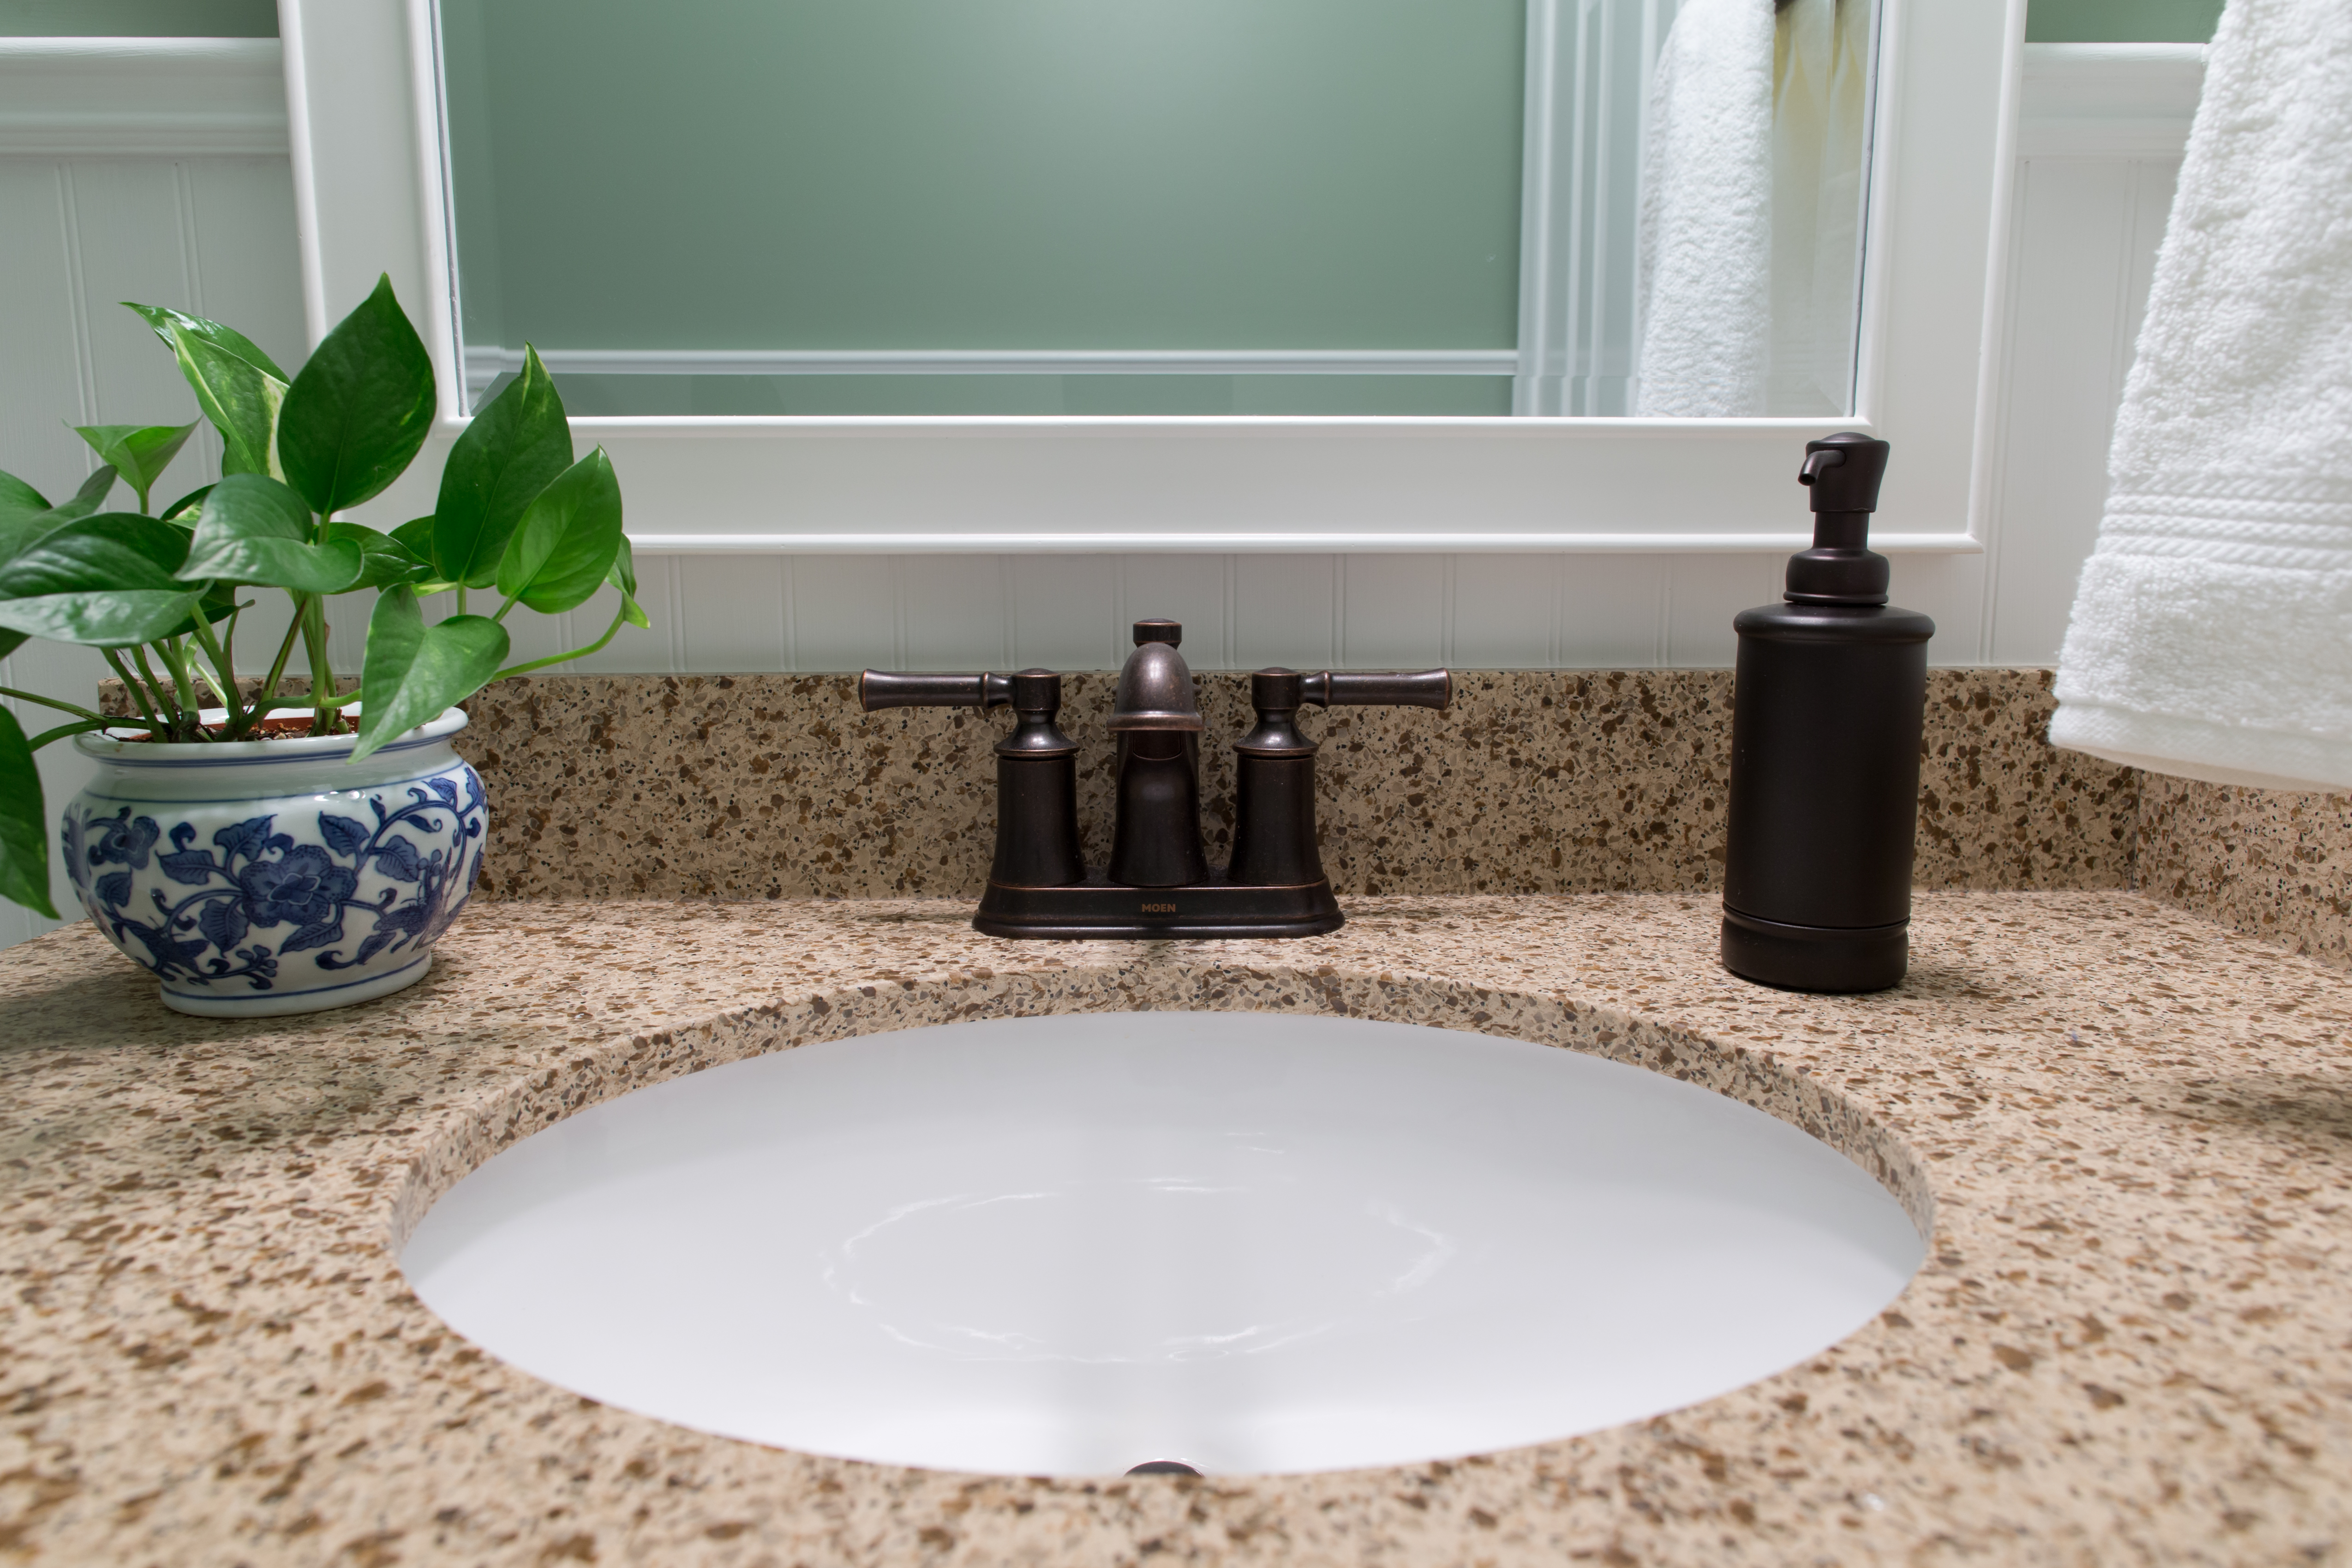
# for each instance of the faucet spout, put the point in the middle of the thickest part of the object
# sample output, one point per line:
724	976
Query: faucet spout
1156	842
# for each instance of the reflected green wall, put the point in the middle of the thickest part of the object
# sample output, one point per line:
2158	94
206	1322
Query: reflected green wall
988	174
2121	21
139	18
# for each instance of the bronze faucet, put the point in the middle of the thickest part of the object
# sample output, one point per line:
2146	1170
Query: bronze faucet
1159	882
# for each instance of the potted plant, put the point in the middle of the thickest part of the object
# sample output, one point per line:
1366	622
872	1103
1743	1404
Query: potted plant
260	851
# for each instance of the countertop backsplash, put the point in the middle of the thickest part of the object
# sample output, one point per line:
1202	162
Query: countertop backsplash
776	786
2271	863
768	786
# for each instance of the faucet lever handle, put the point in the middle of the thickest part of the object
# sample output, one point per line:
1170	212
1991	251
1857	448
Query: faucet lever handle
1384	689
885	688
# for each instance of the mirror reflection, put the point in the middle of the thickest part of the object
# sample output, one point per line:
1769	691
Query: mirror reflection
1258	207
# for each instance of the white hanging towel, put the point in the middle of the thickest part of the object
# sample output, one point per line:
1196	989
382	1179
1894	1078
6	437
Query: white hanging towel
2212	635
1703	245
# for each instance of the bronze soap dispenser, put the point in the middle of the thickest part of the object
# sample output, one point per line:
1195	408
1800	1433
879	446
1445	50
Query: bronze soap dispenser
1828	700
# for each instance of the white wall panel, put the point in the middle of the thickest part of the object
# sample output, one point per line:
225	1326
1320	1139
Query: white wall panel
130	242
1502	612
1949	591
77	235
952	607
1703	592
731	613
1196	590
842	612
1611	611
2086	233
242	268
1287	611
632	650
1393	610
41	380
1064	612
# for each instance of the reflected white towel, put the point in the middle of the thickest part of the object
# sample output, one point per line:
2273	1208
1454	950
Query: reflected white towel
1704	246
1820	106
2212	635
1750	236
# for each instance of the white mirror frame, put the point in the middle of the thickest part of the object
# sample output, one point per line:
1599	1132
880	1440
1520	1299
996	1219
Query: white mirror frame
366	137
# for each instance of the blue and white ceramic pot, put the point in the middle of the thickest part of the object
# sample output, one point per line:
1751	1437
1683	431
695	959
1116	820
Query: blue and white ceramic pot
265	876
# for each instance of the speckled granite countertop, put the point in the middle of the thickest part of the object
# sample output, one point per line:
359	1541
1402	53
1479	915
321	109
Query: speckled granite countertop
2132	1339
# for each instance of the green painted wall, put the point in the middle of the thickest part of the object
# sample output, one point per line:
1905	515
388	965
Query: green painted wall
1010	174
2121	21
139	18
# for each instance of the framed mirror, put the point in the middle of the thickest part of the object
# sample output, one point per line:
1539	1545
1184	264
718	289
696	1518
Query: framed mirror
866	275
1139	207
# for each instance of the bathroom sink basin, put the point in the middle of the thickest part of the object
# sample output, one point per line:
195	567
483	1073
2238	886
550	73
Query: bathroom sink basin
1244	1241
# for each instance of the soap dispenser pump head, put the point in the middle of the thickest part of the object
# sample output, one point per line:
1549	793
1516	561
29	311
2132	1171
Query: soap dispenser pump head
1843	472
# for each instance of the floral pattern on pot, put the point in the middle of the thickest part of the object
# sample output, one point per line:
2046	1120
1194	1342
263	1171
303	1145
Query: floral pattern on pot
278	883
256	879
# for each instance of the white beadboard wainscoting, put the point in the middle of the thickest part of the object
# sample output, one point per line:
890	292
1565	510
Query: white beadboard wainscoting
156	171
130	169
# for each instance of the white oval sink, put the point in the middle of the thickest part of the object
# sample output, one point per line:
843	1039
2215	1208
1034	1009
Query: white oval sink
1245	1241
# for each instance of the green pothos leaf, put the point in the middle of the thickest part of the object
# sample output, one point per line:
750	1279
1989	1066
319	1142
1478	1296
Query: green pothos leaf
415	670
138	453
238	387
24	830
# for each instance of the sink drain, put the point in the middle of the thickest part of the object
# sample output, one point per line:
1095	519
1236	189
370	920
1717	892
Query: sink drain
1163	1467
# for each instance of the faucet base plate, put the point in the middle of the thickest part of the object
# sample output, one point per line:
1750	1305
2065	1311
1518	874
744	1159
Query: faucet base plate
1098	909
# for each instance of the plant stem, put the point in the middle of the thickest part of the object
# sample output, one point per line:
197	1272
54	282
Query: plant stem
174	654
83	728
610	632
228	656
156	684
53	702
323	717
267	695
223	677
138	692
461	598
504	608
